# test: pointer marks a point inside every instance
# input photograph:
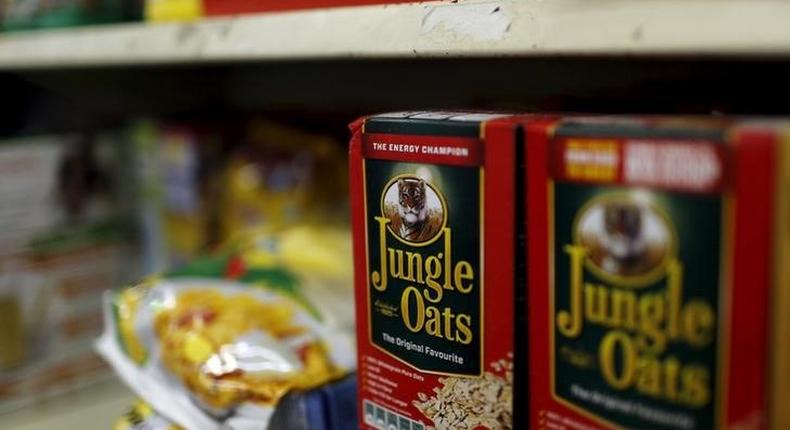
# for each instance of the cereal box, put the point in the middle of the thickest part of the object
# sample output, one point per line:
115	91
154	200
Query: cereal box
653	250
434	243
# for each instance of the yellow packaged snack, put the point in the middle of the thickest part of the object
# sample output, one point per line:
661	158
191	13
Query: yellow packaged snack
283	177
207	350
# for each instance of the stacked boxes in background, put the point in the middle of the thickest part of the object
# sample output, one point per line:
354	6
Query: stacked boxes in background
63	242
434	218
657	273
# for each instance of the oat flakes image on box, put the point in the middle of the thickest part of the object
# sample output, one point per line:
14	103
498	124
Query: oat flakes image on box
471	403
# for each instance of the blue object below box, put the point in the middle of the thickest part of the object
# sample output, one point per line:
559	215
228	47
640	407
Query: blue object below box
332	407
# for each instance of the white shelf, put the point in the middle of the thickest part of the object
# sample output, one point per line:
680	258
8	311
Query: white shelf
466	28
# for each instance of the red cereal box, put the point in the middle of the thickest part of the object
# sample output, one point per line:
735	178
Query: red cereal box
434	218
657	274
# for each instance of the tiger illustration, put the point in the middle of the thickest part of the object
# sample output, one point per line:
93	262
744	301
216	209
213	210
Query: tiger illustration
622	246
411	218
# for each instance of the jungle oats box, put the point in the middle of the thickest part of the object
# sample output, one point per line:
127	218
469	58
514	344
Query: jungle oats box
434	224
657	279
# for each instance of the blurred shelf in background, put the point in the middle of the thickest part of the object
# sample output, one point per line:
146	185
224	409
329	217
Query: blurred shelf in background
91	408
431	29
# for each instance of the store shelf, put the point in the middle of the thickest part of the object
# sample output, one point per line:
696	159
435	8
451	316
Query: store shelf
465	28
91	408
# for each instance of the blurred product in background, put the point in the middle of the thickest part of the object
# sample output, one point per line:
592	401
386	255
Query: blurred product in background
319	256
250	232
260	205
222	340
657	274
280	176
202	186
63	240
331	407
172	10
233	7
176	168
35	14
43	14
141	416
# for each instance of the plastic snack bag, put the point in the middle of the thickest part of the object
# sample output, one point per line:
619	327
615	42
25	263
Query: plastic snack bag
214	353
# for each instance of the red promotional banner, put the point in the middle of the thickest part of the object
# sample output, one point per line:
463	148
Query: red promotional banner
691	166
453	151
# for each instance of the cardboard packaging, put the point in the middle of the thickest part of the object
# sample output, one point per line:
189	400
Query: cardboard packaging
63	241
434	218
657	273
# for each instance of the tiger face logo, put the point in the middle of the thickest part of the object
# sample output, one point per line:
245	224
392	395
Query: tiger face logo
624	242
411	205
414	208
628	240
